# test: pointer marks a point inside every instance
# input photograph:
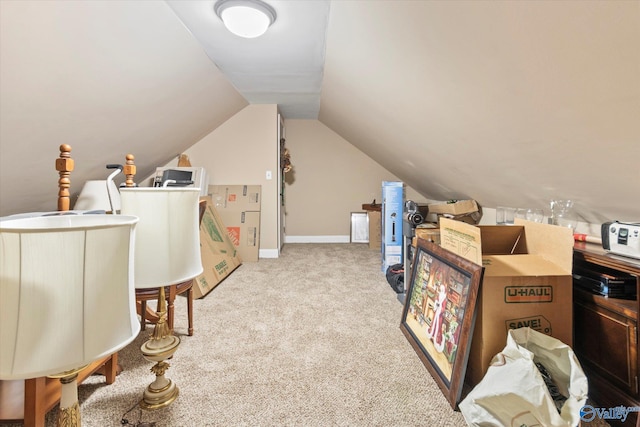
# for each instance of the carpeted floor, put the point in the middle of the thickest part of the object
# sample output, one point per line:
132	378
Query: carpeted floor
309	339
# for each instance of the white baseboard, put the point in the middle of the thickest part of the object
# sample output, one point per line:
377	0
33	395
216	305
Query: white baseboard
268	253
317	239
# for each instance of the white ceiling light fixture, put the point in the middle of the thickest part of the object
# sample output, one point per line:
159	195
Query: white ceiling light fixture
245	18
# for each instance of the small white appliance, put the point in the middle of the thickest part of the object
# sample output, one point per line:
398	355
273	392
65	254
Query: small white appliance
621	238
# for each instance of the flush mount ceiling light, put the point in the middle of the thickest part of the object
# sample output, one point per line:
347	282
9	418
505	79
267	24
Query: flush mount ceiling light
245	18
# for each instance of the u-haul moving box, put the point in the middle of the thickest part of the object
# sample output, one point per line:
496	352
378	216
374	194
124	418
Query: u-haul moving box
527	282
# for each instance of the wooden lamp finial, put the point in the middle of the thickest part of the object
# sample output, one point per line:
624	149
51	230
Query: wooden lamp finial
64	166
129	171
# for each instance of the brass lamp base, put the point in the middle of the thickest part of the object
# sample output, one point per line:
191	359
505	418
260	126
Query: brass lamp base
69	412
160	346
70	416
162	392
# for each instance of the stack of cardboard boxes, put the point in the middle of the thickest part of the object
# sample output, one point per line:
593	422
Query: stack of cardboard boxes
239	208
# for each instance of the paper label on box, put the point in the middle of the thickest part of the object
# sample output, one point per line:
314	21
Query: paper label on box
252	236
219	202
232	197
538	323
528	294
461	239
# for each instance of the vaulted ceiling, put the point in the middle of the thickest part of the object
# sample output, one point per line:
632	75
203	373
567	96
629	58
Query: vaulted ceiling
509	103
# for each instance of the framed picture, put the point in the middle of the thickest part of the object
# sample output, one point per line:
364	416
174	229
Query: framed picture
439	314
359	227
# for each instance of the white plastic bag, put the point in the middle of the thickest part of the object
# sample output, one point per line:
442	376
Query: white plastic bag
513	391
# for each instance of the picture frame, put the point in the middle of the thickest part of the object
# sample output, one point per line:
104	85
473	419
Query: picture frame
439	314
359	227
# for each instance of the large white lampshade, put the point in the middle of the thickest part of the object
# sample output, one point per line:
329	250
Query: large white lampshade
168	235
66	292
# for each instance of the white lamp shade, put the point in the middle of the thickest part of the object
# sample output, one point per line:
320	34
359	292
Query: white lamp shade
168	235
66	292
94	196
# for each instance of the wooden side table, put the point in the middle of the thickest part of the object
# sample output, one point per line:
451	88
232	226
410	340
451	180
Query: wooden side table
28	401
606	335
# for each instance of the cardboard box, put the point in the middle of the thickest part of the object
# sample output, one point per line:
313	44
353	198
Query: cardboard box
427	232
375	226
243	229
219	256
237	198
527	282
239	208
461	210
391	229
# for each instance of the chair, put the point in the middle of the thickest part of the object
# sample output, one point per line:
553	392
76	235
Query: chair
144	295
146	314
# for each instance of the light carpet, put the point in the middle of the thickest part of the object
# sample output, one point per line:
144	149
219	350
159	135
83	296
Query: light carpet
309	339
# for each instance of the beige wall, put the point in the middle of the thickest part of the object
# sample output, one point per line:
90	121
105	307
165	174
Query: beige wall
240	151
330	179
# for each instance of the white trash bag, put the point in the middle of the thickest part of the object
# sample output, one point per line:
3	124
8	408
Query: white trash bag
513	392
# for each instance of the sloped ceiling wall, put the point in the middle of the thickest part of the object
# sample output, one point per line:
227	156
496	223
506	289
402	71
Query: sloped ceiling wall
509	103
108	78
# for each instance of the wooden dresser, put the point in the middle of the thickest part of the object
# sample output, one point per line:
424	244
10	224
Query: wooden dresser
606	334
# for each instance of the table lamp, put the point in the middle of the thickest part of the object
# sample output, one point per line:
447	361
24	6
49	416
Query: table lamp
66	297
167	252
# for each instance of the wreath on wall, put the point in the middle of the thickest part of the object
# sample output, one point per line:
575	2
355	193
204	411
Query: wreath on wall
285	166
285	158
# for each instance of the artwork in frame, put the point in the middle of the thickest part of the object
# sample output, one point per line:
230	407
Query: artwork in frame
439	314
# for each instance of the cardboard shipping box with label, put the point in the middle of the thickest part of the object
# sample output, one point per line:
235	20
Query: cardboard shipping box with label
462	210
219	256
239	207
527	282
236	198
243	228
